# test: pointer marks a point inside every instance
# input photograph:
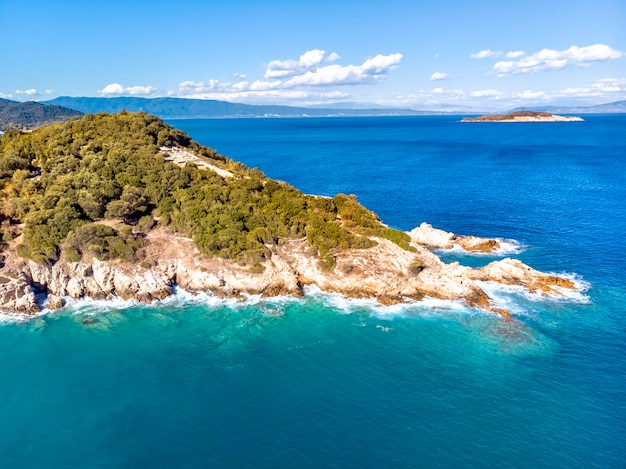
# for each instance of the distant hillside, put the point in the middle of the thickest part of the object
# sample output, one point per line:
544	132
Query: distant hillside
30	115
180	108
615	107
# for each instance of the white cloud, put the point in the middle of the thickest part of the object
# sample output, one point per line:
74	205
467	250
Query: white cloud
309	71
312	57
529	94
438	76
115	89
265	85
239	76
296	79
450	94
29	92
516	54
6	95
605	86
369	72
483	54
308	60
549	59
493	94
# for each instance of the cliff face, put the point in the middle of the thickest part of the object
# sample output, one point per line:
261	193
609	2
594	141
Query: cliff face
385	272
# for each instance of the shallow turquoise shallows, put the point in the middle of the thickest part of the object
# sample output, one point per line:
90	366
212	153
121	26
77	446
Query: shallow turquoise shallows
326	382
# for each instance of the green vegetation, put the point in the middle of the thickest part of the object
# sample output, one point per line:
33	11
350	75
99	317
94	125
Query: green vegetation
416	266
509	116
30	115
63	182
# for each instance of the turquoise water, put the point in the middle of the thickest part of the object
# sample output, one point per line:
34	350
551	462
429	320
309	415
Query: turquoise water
326	382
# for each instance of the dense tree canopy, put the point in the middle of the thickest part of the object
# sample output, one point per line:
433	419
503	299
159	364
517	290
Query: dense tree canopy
61	183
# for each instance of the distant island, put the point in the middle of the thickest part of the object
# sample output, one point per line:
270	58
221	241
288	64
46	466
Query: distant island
31	115
124	205
523	116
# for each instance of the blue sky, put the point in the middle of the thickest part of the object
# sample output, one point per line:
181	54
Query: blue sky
486	55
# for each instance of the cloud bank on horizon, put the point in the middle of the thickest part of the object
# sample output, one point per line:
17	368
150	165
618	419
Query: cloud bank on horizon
316	77
310	77
482	55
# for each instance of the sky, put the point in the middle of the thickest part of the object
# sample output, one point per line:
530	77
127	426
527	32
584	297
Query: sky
481	55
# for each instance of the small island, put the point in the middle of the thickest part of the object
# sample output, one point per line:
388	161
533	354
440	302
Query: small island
523	116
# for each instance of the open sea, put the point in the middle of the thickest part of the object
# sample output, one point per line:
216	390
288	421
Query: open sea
325	382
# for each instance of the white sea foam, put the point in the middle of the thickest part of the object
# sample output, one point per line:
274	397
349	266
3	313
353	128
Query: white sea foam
504	296
89	306
507	247
507	296
8	318
425	307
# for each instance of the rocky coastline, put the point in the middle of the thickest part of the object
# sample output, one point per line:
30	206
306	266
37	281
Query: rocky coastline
385	272
523	116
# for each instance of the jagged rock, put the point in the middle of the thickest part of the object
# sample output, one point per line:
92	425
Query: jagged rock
514	272
17	295
385	272
426	235
54	302
473	243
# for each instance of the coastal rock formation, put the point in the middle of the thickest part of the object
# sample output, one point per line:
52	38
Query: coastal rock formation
515	272
426	235
17	295
385	272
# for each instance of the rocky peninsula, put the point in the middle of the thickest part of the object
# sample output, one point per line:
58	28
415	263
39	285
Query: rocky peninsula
523	116
125	206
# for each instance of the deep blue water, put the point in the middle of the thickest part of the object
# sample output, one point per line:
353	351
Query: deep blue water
324	382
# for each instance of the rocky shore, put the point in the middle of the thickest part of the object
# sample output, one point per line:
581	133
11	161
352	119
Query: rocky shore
385	272
523	116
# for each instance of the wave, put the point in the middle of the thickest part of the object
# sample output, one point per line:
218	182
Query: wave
508	296
425	307
503	296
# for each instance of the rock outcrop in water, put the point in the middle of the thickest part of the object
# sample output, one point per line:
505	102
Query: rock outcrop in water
426	235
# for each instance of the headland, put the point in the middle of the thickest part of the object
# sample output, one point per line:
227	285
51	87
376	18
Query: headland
126	206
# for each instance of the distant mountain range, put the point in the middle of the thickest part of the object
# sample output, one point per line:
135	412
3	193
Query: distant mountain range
31	114
181	108
608	108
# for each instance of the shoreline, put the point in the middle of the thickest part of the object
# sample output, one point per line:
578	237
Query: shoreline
385	274
523	116
272	305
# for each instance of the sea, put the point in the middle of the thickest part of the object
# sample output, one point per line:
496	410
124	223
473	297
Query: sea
327	382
